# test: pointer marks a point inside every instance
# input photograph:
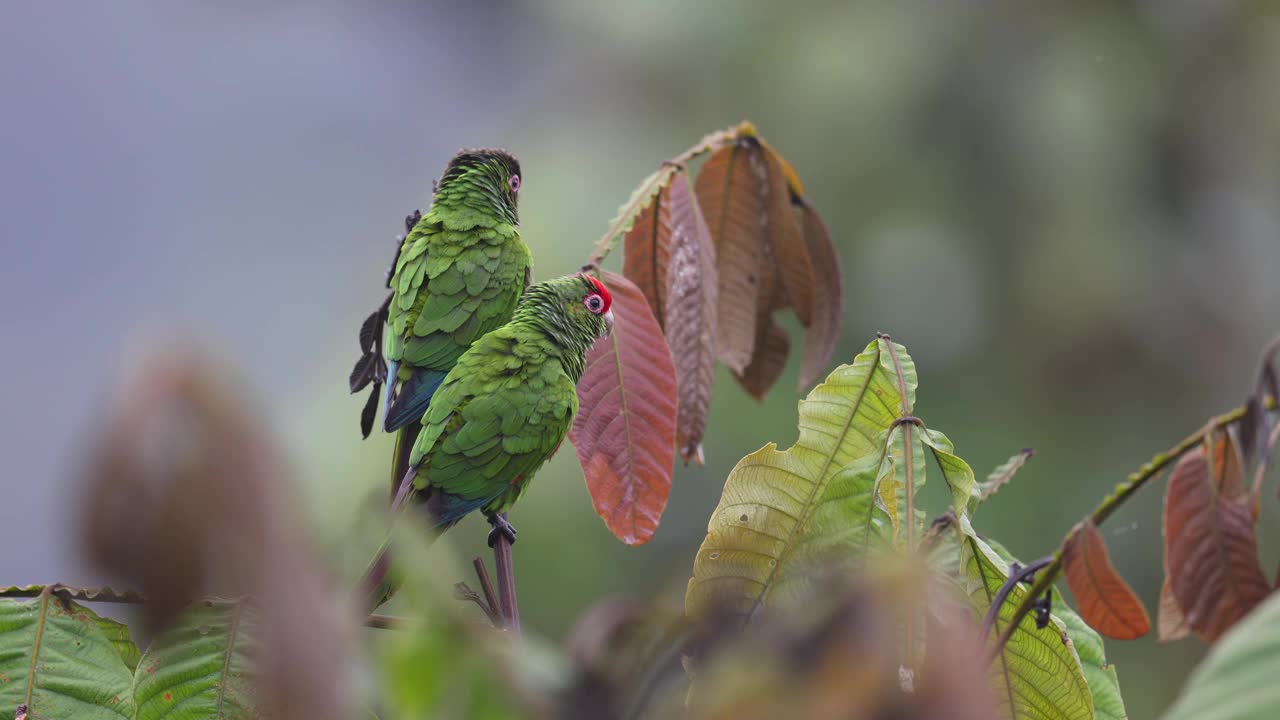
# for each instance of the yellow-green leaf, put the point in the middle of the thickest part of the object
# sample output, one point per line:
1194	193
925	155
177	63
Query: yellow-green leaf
956	472
1037	675
780	509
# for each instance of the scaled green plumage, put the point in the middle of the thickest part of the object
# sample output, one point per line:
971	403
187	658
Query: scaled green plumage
504	408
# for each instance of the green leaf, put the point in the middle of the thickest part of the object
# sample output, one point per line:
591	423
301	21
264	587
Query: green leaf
201	667
1237	679
55	658
782	510
1037	674
956	472
1104	684
895	470
118	635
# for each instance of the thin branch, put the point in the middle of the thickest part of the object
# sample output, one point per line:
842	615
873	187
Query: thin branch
1009	585
486	586
463	592
611	236
1109	504
506	581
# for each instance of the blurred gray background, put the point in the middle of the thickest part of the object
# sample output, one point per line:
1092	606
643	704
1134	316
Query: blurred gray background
1069	216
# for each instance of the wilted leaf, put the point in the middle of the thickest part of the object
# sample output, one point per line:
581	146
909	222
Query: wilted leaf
1237	681
999	478
203	666
1211	547
56	659
1170	625
1037	674
647	244
771	348
1106	601
783	510
821	335
787	242
692	305
624	433
732	190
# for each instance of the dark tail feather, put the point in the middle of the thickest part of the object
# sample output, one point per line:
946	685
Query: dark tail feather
405	438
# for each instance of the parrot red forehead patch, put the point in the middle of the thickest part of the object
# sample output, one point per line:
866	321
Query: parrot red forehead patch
602	291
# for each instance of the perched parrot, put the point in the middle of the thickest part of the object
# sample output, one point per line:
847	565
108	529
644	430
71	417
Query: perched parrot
459	271
502	411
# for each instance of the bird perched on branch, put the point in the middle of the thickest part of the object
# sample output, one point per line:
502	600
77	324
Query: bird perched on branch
501	412
458	274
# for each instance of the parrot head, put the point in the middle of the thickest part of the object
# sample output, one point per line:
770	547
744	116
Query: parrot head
486	173
573	310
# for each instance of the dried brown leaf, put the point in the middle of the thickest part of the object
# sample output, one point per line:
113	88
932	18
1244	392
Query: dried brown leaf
647	248
1211	548
732	190
787	242
823	333
624	433
1106	601
691	310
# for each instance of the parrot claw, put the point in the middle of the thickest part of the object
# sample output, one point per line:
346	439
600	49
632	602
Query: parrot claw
501	526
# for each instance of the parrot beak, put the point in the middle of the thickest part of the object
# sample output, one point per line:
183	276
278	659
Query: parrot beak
608	322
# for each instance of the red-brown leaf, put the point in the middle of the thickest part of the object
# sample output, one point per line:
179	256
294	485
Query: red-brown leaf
691	307
647	251
821	335
787	242
1211	548
732	190
624	433
1106	601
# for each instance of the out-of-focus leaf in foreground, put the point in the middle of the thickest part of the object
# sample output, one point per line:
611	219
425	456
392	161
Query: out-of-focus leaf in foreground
1237	681
186	496
625	429
781	511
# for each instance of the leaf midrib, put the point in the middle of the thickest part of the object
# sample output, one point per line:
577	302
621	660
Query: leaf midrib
790	544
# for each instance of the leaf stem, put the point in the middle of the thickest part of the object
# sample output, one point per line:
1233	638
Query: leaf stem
1109	505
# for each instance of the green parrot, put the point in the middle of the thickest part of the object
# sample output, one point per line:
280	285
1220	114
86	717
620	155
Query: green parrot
501	412
457	275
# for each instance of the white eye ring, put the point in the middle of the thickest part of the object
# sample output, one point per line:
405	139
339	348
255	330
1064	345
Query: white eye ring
594	303
514	183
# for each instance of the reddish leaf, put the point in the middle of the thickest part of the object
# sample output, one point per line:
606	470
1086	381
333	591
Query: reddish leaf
1211	548
624	433
691	309
1106	601
1170	625
647	245
821	335
1228	474
787	243
732	190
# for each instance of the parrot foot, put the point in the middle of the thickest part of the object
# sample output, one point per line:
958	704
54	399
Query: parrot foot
501	526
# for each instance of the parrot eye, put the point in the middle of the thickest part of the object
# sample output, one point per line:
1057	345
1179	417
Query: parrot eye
594	303
514	183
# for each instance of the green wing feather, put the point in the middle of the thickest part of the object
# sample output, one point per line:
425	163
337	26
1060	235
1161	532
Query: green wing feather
496	418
